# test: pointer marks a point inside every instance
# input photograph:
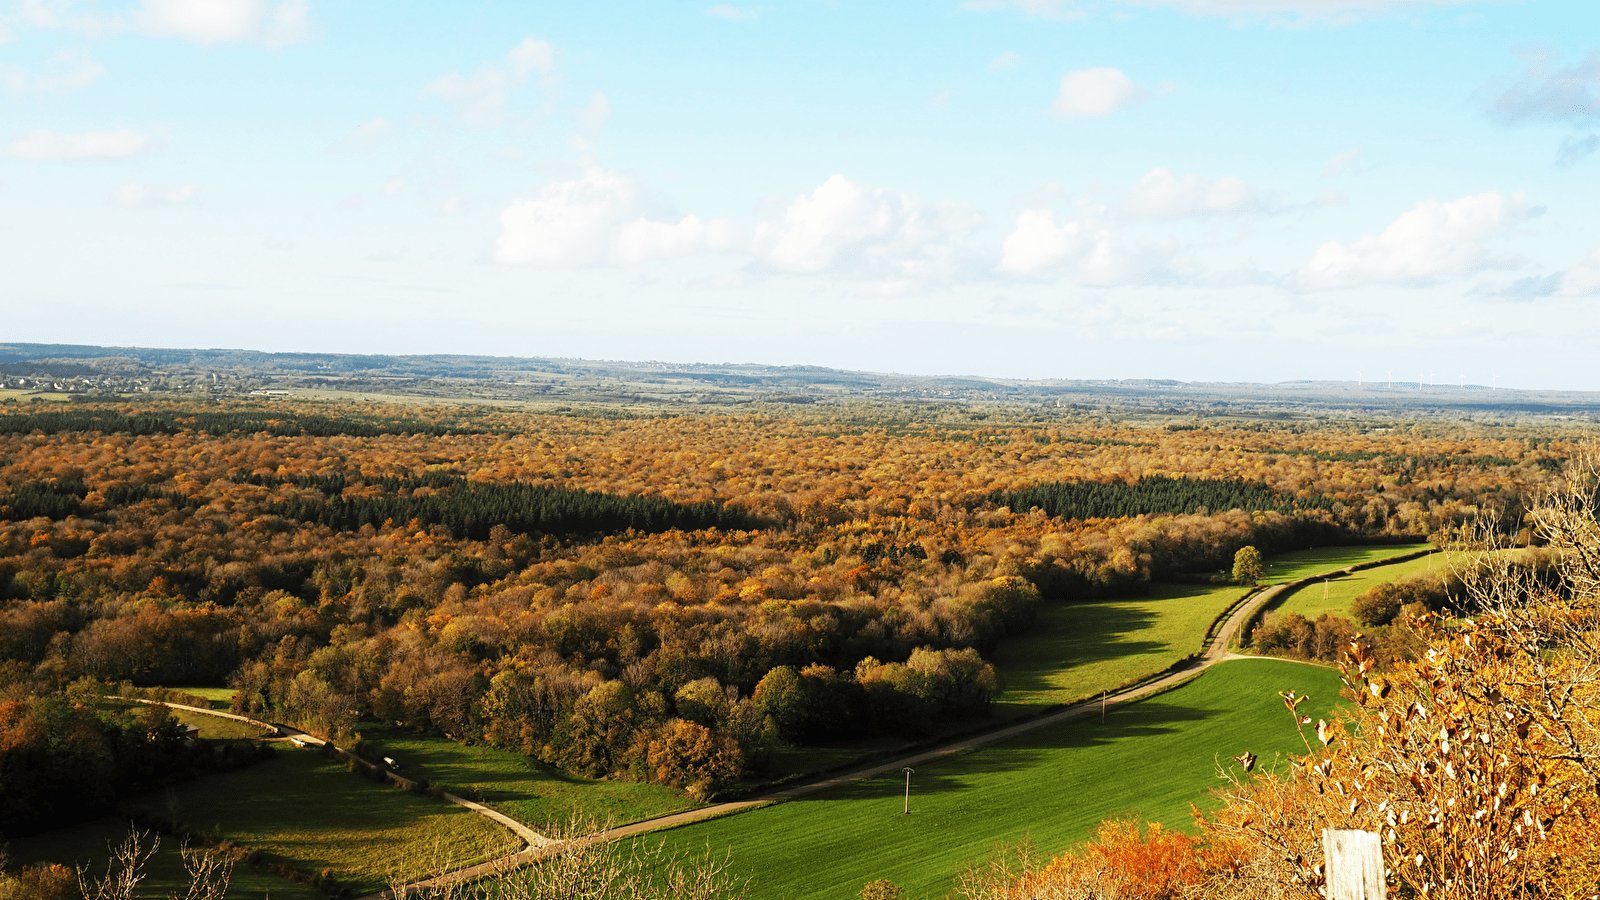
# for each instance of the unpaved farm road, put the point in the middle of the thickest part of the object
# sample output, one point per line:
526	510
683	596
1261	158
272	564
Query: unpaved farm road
1216	651
536	846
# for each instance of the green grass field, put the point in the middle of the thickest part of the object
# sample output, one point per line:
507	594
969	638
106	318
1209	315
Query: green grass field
86	845
1286	567
311	813
1052	787
217	728
314	814
1079	649
1314	600
211	727
220	697
519	786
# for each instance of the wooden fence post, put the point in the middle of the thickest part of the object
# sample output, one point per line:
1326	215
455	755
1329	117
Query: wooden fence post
1355	864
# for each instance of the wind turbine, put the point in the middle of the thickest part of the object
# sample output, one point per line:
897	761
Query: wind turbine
1420	376
1358	378
1391	378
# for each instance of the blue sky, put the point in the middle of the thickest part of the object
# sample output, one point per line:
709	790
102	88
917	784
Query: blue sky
1205	190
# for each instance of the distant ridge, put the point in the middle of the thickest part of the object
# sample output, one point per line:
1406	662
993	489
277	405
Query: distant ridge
76	371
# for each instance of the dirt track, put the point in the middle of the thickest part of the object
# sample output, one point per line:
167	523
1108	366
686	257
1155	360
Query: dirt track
537	845
1216	651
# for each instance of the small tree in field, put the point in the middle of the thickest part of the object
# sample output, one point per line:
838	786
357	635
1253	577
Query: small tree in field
1247	566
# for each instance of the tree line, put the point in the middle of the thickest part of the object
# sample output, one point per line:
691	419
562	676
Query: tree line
1153	494
769	567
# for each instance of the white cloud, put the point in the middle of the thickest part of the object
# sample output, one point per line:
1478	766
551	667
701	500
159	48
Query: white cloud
599	219
1583	279
852	229
726	11
483	94
1093	93
594	116
1554	94
43	144
532	55
1163	195
1575	150
1422	246
1088	253
69	73
137	196
1059	10
65	14
222	21
369	133
1006	60
1341	162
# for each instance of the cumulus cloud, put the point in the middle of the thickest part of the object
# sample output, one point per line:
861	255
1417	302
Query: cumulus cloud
482	94
138	196
1581	280
726	11
852	229
1094	93
1163	195
222	21
1430	242
1551	93
43	144
602	218
1090	254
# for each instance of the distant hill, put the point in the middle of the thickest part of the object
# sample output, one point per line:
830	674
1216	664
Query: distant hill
69	371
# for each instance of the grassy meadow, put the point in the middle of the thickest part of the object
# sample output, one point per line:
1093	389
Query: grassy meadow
306	811
519	786
1079	649
1286	567
1314	600
221	697
86	845
1051	787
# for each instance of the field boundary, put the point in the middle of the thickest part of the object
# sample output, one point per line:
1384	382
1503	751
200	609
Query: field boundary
1215	648
532	840
1289	587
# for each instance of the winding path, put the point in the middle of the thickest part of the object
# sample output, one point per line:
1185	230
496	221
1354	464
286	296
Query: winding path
1215	651
537	846
533	842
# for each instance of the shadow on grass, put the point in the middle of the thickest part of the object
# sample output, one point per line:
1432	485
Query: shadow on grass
1029	751
1074	634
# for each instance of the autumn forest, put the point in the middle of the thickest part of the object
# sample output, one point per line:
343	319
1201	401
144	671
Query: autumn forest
661	598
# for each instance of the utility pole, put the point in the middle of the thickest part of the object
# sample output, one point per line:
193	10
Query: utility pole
908	770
